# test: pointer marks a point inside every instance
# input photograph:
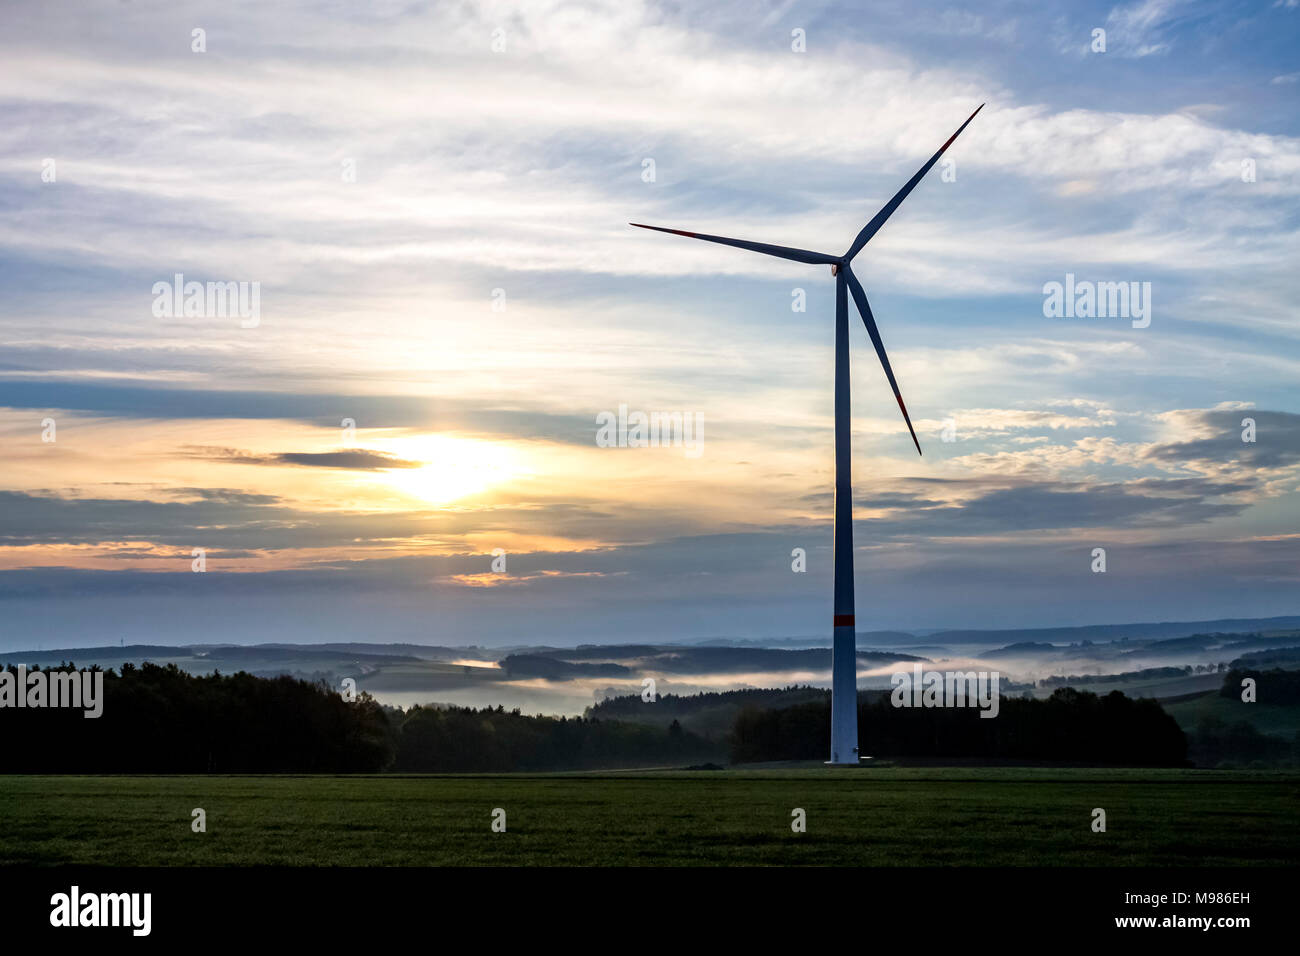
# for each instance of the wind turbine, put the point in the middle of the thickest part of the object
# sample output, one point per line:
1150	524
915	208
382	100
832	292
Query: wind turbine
844	676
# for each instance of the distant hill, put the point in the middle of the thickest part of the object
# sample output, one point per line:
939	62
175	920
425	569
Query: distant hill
1112	632
1278	657
682	659
553	668
1255	628
1021	649
231	653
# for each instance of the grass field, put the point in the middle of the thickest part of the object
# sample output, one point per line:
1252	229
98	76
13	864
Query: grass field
869	817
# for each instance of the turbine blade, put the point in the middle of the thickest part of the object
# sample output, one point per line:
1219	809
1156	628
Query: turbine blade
860	297
783	252
871	228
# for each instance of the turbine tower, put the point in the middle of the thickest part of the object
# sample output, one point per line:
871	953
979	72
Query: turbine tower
844	676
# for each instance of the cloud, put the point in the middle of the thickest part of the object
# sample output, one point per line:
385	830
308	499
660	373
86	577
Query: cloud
1001	421
318	408
360	459
1140	29
1219	440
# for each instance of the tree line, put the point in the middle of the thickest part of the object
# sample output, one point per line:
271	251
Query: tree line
1073	726
161	719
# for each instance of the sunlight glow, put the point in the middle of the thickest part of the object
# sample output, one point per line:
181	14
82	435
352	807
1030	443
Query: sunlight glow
453	468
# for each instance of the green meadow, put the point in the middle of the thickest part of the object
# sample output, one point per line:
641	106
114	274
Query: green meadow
882	816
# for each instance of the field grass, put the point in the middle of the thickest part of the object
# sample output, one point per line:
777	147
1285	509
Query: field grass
868	817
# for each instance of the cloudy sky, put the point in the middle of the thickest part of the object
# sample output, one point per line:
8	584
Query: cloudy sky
433	199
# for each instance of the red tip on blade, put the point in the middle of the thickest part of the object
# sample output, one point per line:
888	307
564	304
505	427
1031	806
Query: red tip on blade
675	232
908	418
963	126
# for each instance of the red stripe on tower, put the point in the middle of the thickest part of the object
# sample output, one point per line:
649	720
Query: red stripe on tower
843	620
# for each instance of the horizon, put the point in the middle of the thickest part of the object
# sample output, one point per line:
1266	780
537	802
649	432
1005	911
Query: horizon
864	638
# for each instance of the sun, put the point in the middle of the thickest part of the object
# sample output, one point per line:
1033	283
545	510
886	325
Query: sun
450	467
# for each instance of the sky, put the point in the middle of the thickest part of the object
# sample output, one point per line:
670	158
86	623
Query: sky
430	202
